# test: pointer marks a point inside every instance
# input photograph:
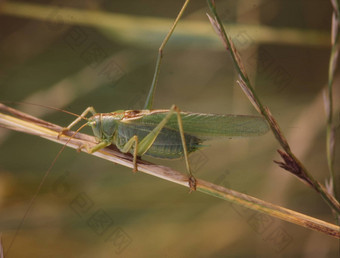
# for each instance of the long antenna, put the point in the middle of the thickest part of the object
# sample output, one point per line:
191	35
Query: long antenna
41	105
39	189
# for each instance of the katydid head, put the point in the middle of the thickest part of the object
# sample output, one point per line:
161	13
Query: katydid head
104	125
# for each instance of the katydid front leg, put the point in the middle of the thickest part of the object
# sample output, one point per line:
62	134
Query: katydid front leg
78	119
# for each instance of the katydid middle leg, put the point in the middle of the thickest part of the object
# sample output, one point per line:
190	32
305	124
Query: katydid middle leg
127	147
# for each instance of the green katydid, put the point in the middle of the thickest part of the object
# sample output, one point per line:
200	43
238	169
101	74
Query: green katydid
167	133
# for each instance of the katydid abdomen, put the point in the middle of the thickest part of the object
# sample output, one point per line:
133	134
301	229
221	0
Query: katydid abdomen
167	145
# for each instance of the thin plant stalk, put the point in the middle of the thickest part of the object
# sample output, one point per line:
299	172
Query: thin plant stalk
328	100
291	162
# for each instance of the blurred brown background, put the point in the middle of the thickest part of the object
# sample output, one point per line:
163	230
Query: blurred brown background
75	54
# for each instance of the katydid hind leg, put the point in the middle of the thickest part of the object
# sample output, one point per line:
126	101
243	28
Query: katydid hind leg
145	144
192	180
141	147
150	97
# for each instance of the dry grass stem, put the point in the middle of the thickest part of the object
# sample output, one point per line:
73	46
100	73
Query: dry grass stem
294	164
31	125
334	183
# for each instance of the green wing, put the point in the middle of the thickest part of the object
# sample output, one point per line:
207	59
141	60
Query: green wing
206	126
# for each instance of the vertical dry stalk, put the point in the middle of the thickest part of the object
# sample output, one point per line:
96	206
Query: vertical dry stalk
328	101
290	162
